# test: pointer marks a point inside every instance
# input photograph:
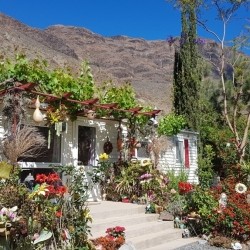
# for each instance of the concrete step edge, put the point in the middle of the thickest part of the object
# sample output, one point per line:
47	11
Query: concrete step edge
137	229
174	244
119	219
110	213
154	239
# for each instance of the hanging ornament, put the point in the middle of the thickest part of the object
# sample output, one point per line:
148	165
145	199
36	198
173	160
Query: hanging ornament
119	141
37	116
91	114
107	147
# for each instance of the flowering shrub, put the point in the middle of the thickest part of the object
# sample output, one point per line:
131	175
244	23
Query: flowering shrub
116	231
114	239
109	243
42	215
52	184
184	187
233	219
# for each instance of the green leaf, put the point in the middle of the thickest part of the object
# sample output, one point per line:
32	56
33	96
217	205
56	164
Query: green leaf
5	170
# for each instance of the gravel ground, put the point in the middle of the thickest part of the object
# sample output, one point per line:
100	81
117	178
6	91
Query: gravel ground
198	246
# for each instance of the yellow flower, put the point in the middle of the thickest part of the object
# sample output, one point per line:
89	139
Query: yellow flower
39	190
240	188
103	156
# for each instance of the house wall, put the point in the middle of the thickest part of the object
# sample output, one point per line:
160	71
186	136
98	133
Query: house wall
108	128
69	145
169	161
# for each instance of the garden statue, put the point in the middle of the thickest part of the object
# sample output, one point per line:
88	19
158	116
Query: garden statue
223	201
177	222
236	246
186	233
248	198
29	181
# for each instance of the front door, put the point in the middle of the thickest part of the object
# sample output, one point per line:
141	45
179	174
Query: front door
86	145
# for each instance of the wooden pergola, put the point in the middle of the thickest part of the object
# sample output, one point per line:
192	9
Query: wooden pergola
91	103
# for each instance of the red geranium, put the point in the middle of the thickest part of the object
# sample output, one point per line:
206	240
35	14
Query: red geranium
116	231
52	178
41	178
184	187
58	214
61	190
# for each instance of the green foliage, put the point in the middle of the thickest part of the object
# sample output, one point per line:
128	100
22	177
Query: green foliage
176	177
171	124
76	213
187	71
203	203
245	171
123	95
176	205
57	81
205	170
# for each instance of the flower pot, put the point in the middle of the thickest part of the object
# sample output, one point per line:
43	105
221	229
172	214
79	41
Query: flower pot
125	200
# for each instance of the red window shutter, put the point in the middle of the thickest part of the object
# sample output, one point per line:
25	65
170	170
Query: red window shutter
186	151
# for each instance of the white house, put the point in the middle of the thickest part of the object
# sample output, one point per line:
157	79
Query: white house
82	141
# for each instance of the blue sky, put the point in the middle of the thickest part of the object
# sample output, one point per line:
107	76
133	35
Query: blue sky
148	19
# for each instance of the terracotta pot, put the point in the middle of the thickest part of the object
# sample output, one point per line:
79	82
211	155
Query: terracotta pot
125	200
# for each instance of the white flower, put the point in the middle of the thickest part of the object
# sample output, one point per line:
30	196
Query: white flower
240	188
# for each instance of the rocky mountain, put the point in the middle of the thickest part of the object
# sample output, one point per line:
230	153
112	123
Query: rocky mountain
147	65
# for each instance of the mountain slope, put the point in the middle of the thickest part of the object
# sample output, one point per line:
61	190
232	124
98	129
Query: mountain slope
147	65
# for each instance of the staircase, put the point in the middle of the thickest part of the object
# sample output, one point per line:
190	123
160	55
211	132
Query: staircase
144	231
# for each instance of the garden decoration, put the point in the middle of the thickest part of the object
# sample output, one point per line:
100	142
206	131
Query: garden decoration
91	114
222	201
186	233
29	181
248	199
108	147
240	188
236	246
37	115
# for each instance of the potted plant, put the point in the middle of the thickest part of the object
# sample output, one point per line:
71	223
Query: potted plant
125	199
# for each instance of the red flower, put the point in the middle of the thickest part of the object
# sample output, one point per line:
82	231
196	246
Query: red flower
52	178
51	189
58	214
41	178
61	190
184	187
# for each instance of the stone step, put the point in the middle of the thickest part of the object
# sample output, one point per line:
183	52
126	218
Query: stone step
109	209
147	228
155	238
144	231
100	225
175	244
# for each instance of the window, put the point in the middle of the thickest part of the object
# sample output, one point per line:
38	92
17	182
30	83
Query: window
86	145
51	151
179	152
182	153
